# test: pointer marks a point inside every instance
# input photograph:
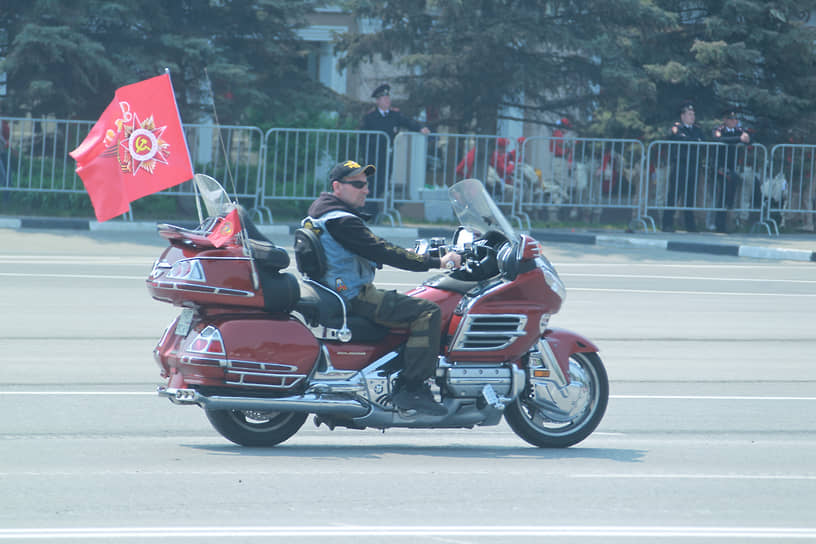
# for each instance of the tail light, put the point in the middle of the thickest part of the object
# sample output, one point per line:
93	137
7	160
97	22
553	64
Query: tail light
187	269
208	342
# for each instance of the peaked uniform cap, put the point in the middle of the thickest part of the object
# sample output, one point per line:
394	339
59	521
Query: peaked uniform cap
382	90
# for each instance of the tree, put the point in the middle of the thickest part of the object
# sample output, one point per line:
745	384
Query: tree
620	66
67	58
755	55
470	58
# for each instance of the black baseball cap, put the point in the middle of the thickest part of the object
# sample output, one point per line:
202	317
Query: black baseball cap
349	168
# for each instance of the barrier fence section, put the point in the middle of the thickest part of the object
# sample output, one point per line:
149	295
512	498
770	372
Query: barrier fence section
34	155
297	162
425	166
710	182
568	178
231	154
35	158
541	177
790	187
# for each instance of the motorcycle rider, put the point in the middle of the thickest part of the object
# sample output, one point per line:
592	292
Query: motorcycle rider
353	254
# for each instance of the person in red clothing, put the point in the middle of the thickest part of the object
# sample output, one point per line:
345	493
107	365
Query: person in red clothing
558	146
465	167
504	161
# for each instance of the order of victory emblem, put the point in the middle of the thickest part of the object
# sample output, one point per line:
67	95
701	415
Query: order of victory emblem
139	144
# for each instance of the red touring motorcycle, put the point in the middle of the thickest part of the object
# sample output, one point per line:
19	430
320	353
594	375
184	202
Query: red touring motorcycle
259	349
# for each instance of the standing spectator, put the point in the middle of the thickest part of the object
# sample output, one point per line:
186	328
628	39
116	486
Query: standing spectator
727	180
5	137
558	146
683	174
503	161
386	119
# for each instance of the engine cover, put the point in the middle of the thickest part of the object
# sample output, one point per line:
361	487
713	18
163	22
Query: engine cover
468	381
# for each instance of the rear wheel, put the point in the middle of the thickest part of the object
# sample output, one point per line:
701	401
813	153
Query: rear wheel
256	428
548	418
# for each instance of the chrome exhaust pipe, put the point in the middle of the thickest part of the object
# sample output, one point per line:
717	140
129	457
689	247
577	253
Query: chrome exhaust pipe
310	403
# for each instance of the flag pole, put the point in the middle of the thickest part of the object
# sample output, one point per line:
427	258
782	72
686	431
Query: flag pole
244	236
196	193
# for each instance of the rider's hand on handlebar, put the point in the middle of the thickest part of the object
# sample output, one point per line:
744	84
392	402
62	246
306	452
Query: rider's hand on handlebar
450	260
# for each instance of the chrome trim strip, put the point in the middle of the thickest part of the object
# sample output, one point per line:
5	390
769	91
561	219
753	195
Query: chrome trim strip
552	363
200	288
491	340
301	403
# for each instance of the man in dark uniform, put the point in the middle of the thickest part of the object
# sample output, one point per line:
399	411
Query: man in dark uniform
386	119
728	181
685	164
353	254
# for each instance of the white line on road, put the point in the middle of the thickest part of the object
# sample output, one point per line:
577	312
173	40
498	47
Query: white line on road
281	471
706	397
685	293
643	291
774	533
73	276
684	278
625	397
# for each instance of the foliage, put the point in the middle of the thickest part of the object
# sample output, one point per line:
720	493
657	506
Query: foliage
67	58
620	67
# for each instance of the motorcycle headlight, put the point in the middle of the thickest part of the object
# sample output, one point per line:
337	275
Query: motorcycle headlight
551	276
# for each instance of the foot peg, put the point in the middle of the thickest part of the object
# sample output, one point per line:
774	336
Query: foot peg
490	397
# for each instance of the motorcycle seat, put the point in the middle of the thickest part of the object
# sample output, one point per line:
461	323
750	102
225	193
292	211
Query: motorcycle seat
321	307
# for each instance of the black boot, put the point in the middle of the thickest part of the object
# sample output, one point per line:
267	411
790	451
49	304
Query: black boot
416	396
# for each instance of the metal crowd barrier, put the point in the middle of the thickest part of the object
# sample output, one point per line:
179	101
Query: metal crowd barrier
36	159
790	187
564	178
231	154
425	166
297	162
540	177
705	179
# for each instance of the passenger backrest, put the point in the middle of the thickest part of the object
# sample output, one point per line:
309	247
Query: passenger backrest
309	254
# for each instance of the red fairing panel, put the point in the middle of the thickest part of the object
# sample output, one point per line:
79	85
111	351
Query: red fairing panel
227	279
270	341
260	352
524	297
564	343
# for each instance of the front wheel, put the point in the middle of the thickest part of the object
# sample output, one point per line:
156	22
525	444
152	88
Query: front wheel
255	428
550	418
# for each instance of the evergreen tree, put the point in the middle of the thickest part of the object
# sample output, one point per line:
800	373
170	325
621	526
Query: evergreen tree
621	67
67	58
756	56
470	58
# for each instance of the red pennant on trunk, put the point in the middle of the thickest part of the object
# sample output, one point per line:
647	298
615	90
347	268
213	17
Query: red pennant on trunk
137	148
226	229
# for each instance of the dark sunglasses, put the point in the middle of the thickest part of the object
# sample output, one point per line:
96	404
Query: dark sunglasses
356	184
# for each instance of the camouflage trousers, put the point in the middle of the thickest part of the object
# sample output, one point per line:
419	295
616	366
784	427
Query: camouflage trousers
422	317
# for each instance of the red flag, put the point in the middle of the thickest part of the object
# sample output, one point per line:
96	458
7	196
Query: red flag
137	148
226	229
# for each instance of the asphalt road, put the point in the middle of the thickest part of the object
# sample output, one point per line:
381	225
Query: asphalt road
710	432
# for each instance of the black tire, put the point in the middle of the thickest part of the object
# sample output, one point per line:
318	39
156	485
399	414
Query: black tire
256	429
532	424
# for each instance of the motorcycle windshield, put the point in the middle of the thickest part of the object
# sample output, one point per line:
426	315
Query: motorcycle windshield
475	209
216	200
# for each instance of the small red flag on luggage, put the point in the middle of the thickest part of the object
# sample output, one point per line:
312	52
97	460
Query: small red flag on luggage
137	148
226	229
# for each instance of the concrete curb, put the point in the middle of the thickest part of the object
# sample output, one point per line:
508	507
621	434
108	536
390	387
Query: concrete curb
607	240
